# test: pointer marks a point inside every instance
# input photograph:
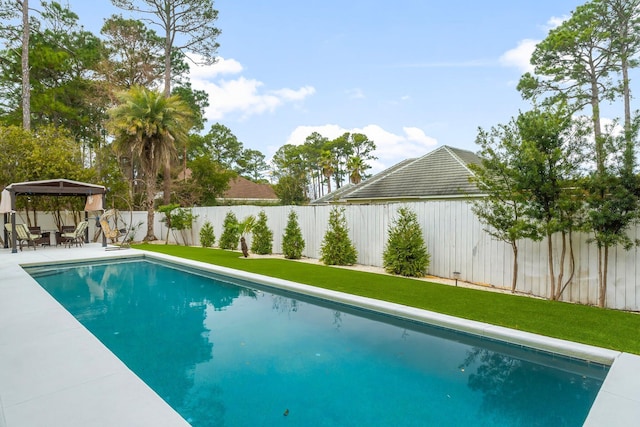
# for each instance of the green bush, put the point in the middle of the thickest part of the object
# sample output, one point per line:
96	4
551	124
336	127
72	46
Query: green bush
406	253
292	241
207	238
336	248
230	232
262	242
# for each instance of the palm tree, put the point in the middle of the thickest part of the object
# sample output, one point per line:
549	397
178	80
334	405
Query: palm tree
327	159
147	125
356	168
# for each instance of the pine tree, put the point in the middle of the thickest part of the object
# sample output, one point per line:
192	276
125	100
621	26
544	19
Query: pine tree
292	241
336	248
207	237
230	233
406	253
262	236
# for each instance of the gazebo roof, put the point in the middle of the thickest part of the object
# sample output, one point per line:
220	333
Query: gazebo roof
58	187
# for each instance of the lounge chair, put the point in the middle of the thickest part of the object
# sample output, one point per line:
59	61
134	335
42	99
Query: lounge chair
23	235
76	236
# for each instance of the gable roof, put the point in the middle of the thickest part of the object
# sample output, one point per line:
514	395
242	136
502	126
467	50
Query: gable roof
441	173
242	189
342	192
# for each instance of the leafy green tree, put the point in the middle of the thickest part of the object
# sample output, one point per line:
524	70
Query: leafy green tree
292	240
290	191
207	236
574	64
252	165
262	241
132	54
502	209
168	210
223	146
188	27
291	172
547	174
612	205
336	247
62	59
146	125
406	252
230	232
211	179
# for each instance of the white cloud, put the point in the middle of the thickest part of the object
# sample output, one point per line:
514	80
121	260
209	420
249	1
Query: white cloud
222	66
520	56
554	22
240	95
391	148
355	93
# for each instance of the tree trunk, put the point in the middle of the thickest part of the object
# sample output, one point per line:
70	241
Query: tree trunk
167	182
26	87
151	189
514	277
603	262
552	276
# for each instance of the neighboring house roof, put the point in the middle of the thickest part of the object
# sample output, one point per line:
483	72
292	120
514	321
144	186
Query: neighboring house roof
443	173
342	192
242	189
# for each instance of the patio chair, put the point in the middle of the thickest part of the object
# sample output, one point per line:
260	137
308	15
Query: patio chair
76	236
24	235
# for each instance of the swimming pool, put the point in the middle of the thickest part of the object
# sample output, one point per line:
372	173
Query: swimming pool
223	354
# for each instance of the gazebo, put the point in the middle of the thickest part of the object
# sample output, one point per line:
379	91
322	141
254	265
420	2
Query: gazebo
52	187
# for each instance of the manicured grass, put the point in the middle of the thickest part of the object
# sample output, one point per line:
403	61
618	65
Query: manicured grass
612	329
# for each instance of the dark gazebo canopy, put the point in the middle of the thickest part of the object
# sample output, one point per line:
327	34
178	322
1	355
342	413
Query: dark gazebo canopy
50	187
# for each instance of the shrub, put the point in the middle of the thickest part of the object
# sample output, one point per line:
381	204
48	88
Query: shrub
336	248
406	253
207	238
292	241
262	237
230	232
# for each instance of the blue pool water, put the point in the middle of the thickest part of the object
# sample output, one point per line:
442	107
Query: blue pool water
237	354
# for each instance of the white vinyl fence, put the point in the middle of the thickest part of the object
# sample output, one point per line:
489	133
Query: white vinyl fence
455	240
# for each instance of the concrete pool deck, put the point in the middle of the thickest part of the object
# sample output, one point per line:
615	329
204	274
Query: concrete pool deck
54	372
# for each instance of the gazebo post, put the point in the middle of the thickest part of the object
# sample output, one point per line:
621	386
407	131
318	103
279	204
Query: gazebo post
104	236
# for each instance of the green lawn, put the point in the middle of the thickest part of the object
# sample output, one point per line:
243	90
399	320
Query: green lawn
590	325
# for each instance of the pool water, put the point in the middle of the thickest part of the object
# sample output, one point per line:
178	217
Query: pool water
223	354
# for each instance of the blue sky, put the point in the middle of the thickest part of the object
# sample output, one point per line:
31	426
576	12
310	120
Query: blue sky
412	75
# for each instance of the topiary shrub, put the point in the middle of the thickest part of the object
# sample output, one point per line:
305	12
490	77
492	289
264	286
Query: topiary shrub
406	253
292	241
230	232
336	247
262	242
207	238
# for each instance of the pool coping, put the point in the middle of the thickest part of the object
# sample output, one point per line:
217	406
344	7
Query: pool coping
94	376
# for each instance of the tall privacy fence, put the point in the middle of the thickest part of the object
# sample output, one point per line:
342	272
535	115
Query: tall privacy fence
455	240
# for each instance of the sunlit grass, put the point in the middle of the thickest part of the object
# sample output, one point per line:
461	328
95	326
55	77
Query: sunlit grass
612	329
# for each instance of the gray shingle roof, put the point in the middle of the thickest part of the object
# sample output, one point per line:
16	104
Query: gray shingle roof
441	173
343	192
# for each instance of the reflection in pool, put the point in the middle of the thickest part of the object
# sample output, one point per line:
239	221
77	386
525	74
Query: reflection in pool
238	354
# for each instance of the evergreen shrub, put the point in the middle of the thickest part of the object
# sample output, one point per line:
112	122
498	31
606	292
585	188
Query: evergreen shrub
230	232
262	241
336	247
406	253
207	237
292	241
